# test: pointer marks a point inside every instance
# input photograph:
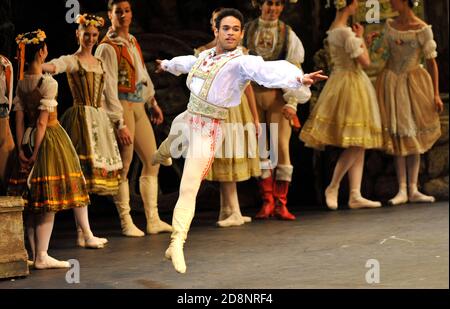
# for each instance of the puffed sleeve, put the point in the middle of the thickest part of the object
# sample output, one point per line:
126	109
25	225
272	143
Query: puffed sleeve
270	74
296	51
48	90
65	64
113	107
179	65
352	44
426	40
296	56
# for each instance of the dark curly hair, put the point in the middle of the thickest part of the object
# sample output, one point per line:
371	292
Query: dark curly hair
112	3
229	12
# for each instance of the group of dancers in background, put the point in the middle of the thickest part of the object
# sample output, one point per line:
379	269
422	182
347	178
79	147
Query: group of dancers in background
244	77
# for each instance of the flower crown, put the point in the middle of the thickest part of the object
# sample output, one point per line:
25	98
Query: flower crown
339	4
90	20
34	37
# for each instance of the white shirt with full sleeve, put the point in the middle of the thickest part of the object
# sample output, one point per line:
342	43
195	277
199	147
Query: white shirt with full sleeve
230	82
109	57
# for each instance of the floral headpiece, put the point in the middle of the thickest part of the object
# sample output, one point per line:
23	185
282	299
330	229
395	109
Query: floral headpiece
34	37
90	20
339	4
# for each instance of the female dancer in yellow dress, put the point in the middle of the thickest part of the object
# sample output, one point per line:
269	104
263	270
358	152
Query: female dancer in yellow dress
86	121
239	167
409	98
52	179
346	114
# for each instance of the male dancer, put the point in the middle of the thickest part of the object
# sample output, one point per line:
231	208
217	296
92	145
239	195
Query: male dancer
216	79
272	39
128	87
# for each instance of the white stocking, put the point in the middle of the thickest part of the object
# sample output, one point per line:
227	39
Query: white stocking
43	234
31	230
85	237
202	140
355	174
230	197
413	163
400	169
346	160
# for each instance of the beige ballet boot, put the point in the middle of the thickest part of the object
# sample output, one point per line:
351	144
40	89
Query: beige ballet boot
162	155
148	185
122	202
181	222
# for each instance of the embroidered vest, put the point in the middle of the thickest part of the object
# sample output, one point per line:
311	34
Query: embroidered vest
126	69
280	50
198	104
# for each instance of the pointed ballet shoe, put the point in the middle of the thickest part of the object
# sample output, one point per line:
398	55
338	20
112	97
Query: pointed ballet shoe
30	264
157	158
400	199
247	219
93	244
176	255
418	197
51	263
233	220
331	198
361	202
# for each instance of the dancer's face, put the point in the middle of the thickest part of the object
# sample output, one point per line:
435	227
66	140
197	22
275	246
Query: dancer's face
230	33
271	10
121	15
88	37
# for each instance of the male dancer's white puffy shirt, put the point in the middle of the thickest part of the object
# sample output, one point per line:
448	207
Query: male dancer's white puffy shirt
109	57
231	80
295	54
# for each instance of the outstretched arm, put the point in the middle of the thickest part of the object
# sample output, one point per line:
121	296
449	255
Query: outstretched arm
60	65
276	74
176	66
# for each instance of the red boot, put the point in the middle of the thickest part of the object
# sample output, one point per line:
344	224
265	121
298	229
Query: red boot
266	188
280	191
